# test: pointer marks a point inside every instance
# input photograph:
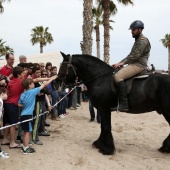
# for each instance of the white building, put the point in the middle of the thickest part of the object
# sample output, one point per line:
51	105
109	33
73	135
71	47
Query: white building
54	57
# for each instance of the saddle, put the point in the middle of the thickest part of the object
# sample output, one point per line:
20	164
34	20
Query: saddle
142	75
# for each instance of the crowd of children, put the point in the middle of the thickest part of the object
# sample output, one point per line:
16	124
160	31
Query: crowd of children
26	91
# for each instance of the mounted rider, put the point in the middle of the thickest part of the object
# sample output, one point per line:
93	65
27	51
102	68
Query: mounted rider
136	62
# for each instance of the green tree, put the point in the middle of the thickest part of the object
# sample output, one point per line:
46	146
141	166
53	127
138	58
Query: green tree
166	43
86	44
98	20
2	43
4	49
40	35
109	8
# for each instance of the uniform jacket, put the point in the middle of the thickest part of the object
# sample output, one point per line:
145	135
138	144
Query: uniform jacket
140	52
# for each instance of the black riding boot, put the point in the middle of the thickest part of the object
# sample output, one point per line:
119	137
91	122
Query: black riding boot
122	98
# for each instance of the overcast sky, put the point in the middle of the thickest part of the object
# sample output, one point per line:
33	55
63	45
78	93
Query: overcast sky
64	19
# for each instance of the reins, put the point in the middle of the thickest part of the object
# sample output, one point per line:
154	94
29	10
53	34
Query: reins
98	76
69	64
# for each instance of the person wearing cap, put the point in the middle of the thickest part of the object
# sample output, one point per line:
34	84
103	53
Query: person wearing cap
22	59
136	62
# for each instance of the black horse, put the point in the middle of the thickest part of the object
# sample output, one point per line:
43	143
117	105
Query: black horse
149	94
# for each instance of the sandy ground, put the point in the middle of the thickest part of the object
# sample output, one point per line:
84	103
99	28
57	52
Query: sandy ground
137	138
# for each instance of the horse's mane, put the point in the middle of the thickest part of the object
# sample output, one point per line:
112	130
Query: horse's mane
95	61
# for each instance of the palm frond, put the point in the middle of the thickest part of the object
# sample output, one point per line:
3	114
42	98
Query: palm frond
166	40
40	35
126	2
1	7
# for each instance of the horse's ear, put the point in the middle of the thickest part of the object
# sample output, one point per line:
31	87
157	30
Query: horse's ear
62	54
65	57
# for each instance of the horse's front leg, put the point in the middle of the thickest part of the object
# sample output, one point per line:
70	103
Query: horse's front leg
165	148
105	142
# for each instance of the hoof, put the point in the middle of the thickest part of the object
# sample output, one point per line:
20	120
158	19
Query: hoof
107	151
96	144
164	149
104	149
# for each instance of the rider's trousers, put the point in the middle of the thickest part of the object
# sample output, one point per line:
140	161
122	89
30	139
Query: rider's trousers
127	72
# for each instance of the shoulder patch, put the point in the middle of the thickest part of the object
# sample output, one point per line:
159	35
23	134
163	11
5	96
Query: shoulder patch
142	38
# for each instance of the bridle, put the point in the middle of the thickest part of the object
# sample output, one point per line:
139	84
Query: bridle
66	65
64	68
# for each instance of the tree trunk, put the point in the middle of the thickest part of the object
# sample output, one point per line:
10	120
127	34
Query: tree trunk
41	49
97	41
106	16
87	27
169	59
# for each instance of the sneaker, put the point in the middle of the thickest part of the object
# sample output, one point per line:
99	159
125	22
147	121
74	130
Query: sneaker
3	154
55	118
72	108
28	151
43	134
61	116
92	120
38	142
30	142
47	124
66	113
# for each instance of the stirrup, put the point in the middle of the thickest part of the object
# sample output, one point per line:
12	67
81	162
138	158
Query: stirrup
123	110
119	109
114	108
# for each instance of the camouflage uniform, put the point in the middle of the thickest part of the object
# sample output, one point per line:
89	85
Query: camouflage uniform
136	60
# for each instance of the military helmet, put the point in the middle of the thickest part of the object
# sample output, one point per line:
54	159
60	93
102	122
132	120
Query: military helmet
137	24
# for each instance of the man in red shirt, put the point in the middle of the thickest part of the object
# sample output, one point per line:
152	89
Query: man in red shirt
6	70
11	111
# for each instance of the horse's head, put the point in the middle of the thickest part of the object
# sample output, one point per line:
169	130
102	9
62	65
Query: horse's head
67	72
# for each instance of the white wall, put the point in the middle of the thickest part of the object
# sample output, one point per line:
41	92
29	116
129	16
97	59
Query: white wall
53	57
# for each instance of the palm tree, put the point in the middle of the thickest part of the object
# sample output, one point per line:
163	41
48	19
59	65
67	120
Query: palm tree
2	43
1	6
5	50
109	9
86	45
42	36
98	20
1	47
166	43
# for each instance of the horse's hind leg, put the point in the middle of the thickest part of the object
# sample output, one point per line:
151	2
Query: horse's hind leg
105	141
166	143
165	146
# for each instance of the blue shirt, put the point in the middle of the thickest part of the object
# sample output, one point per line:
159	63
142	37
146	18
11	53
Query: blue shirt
27	98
